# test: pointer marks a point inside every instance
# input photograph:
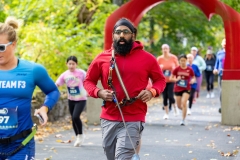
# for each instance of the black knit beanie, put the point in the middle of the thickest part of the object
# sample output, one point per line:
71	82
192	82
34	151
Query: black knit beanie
125	22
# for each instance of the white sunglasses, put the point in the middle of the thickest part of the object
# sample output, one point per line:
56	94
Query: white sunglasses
4	46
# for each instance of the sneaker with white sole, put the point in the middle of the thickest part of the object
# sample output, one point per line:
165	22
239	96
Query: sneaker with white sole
189	111
208	95
165	116
182	123
79	140
212	95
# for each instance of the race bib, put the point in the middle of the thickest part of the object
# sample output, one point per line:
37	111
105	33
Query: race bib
73	91
209	68
182	83
167	73
8	118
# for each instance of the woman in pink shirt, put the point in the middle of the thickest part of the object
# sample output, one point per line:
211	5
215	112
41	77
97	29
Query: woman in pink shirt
73	78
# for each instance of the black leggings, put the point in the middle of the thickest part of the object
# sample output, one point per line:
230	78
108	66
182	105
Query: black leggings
192	92
168	94
75	109
209	79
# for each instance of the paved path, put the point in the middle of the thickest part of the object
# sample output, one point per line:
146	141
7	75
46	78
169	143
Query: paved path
203	137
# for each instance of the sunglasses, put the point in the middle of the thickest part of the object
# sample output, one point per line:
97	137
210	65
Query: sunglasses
3	47
125	32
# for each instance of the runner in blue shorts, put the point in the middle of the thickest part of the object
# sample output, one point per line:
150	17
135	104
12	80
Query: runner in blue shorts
17	82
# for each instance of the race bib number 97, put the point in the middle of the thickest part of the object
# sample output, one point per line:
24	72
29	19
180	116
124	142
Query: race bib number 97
8	118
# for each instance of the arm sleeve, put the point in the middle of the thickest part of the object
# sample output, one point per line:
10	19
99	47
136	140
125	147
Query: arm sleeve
197	73
92	76
46	84
217	63
158	80
203	65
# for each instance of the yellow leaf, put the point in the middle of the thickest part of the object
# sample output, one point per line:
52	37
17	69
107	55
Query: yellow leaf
59	140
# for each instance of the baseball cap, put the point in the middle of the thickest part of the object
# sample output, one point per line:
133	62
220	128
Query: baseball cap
209	52
194	48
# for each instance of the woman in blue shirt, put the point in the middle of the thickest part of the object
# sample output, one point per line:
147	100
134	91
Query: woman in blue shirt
17	82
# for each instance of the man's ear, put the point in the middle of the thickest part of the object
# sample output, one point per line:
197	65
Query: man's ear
133	36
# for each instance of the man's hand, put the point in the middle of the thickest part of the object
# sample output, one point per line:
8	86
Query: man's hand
106	95
215	71
43	113
145	95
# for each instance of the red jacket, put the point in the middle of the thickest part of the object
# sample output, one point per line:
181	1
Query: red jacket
135	68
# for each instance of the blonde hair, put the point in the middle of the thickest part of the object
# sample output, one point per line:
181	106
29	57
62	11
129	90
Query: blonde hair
190	55
9	28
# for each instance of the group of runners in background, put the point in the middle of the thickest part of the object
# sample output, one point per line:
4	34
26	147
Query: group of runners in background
184	75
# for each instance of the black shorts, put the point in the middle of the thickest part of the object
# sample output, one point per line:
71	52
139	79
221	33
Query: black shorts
181	92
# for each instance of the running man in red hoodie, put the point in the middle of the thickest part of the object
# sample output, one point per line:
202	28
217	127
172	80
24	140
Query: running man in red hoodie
136	66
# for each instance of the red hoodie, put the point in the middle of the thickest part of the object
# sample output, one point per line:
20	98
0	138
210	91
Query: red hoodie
135	68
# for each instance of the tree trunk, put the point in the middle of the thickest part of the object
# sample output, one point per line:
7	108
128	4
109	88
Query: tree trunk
151	34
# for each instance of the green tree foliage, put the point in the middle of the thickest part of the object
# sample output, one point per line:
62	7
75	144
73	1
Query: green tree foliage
173	22
52	30
2	13
235	4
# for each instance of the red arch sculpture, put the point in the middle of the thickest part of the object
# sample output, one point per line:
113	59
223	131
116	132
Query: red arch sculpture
135	9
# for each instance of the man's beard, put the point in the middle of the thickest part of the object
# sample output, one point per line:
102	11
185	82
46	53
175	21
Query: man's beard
122	49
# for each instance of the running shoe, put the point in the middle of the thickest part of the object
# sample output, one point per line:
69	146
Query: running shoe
182	123
79	140
189	111
208	95
176	112
165	116
212	95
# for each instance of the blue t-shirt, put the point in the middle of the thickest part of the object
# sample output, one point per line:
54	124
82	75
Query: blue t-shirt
196	73
16	89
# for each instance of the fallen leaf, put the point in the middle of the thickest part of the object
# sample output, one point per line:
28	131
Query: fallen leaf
96	129
228	135
59	140
235	152
236	129
58	136
188	145
67	141
146	154
208	127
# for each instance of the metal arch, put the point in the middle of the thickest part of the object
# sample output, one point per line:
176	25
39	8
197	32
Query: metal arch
135	9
